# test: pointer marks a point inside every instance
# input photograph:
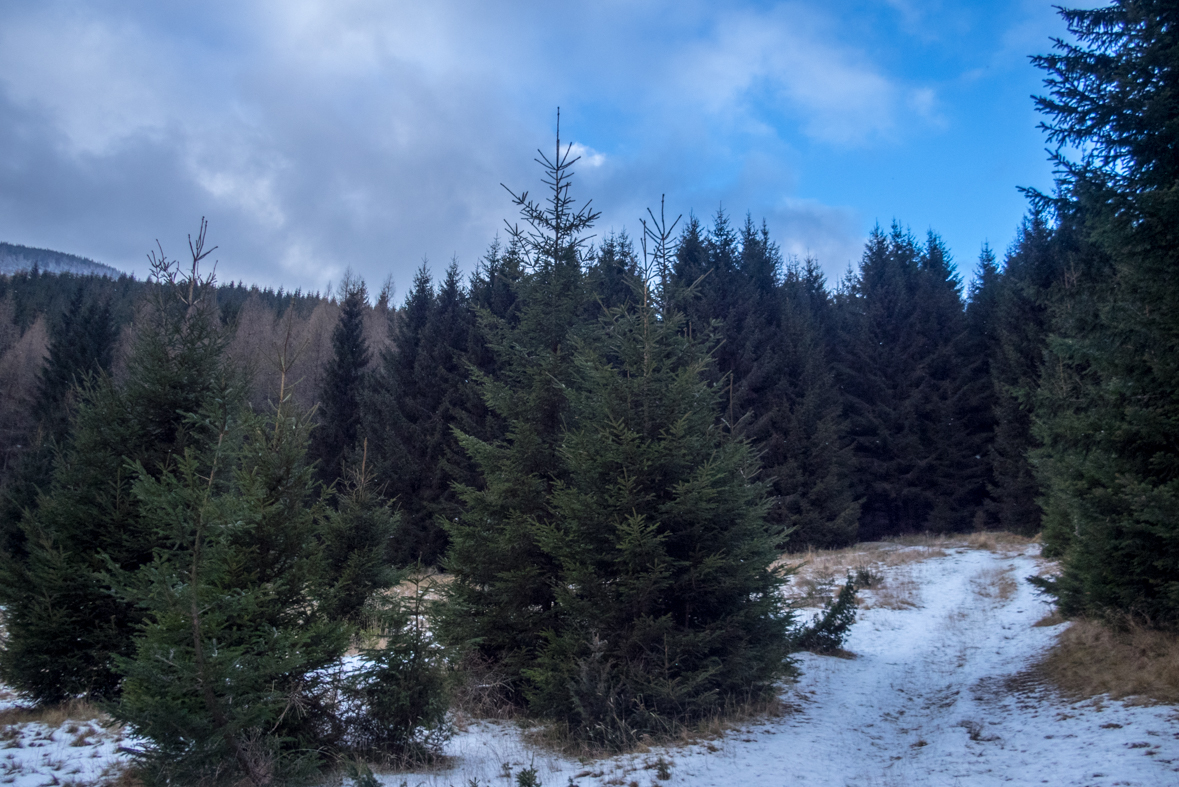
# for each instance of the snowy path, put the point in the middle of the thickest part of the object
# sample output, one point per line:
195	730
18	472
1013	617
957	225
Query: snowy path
926	701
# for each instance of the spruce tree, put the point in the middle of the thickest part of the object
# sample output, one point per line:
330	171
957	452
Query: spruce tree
397	409
64	626
501	599
1109	407
956	410
343	383
773	366
980	349
420	392
807	455
230	644
665	607
249	603
689	271
613	265
81	346
902	325
1030	273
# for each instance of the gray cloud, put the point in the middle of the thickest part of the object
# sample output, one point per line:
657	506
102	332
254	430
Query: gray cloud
317	135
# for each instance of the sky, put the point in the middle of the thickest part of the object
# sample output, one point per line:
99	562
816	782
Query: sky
321	135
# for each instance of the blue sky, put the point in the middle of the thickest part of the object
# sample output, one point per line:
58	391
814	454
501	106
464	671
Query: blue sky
319	135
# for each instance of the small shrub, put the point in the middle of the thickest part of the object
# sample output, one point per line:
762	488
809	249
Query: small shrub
396	704
361	774
827	630
662	770
866	578
526	777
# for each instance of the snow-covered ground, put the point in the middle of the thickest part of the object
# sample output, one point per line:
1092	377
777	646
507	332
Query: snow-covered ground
932	697
937	694
75	752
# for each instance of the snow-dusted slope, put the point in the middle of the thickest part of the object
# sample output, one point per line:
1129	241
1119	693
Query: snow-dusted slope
18	259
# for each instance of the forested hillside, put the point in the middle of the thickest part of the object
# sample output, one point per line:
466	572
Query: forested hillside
21	259
870	404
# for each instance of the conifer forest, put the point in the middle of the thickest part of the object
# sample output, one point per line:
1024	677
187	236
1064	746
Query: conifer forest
606	451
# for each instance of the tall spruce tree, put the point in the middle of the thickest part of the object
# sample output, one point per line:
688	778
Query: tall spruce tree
980	349
902	325
772	367
1031	272
247	603
954	396
501	600
807	454
613	265
344	379
420	392
1108	422
666	607
64	627
81	346
231	640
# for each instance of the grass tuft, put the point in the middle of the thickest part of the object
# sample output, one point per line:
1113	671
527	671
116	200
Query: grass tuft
733	716
996	583
53	715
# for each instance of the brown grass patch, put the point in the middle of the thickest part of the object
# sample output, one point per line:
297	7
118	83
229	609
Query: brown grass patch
479	691
899	591
1091	658
990	540
54	715
819	574
734	719
120	775
996	583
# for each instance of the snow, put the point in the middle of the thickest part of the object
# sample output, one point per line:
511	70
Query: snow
936	694
74	752
925	701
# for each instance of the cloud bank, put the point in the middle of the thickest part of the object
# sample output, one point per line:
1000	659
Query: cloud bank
320	135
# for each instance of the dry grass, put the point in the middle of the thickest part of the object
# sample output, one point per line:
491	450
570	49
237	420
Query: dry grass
992	541
120	775
479	691
54	715
1091	658
820	573
899	591
995	583
734	718
881	565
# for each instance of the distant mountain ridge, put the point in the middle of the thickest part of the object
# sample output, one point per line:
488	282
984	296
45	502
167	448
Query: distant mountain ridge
18	259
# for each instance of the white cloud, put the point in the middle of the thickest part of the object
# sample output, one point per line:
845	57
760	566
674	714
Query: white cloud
320	134
789	54
588	156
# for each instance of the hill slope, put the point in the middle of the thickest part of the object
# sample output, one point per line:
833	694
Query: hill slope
18	259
